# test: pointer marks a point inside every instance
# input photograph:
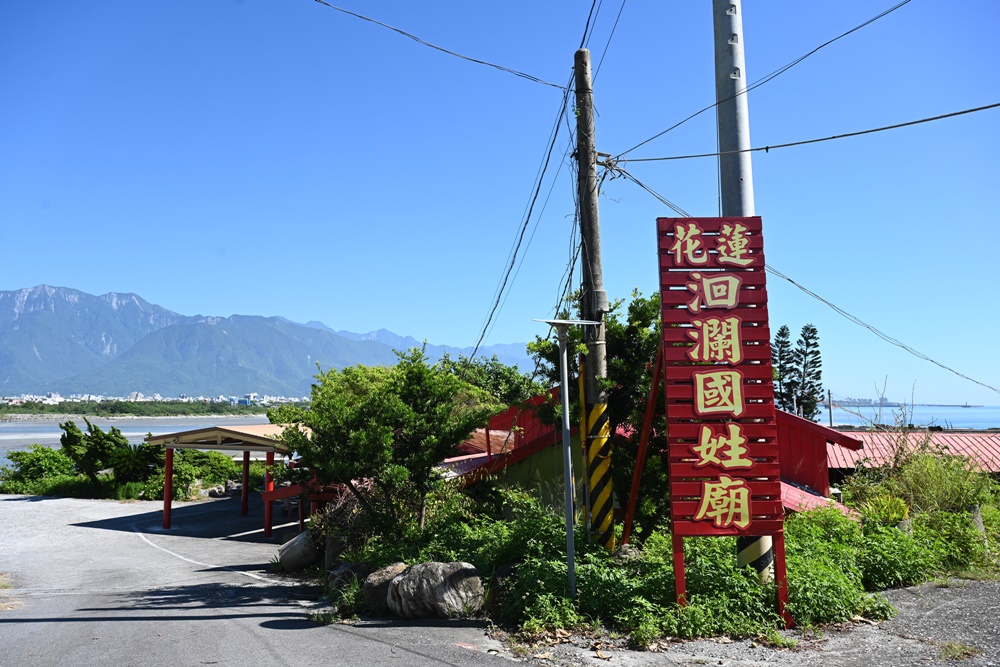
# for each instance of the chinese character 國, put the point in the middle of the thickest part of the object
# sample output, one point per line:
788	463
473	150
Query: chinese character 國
718	392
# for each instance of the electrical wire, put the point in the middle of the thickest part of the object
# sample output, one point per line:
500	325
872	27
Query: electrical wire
524	227
508	70
887	338
767	78
767	149
610	37
840	311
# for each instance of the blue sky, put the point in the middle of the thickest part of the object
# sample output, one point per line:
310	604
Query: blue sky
283	158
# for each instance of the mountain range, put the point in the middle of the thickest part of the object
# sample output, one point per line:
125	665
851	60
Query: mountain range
57	339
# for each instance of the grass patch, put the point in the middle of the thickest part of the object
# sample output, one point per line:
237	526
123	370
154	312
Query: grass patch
956	651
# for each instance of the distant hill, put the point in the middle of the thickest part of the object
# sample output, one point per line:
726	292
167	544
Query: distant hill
56	339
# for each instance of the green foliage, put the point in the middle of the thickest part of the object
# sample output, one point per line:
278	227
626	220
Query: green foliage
953	539
891	558
798	372
381	432
937	481
91	451
136	463
35	463
506	384
884	508
632	334
210	467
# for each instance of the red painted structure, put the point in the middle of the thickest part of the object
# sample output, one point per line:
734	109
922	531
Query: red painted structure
803	449
721	431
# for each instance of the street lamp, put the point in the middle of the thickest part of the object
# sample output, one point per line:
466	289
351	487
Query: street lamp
562	326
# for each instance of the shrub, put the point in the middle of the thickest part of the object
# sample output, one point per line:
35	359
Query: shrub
210	467
135	463
35	463
952	538
941	482
890	558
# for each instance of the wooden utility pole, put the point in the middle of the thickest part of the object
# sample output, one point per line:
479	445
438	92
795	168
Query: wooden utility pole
736	179
594	304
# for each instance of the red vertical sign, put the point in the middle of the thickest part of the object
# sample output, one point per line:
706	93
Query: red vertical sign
722	437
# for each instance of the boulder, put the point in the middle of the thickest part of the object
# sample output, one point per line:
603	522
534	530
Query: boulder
340	574
217	492
436	590
298	552
376	588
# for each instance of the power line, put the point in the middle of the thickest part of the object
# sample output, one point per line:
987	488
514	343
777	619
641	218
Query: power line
614	167
887	338
769	77
816	141
508	70
770	269
524	227
613	29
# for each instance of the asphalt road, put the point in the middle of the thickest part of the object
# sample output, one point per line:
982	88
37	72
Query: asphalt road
97	582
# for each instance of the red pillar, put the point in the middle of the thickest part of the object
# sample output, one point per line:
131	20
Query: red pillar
168	486
268	486
245	492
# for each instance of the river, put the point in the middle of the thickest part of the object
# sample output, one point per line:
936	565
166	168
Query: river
15	435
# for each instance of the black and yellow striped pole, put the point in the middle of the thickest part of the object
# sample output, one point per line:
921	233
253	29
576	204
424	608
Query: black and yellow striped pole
593	307
756	551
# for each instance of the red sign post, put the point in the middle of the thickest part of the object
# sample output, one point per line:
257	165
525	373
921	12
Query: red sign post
721	432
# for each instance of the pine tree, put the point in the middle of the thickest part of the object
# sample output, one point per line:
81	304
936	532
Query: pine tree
781	362
807	373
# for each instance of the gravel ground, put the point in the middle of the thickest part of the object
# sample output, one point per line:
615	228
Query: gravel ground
947	623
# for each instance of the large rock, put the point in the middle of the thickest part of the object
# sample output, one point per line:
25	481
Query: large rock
376	588
436	590
298	552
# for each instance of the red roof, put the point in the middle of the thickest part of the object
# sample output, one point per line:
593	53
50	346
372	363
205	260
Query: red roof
879	446
800	500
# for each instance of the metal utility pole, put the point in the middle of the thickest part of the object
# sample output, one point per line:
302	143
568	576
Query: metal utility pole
736	181
594	304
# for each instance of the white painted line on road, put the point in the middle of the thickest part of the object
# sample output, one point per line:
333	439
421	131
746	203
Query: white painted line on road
188	560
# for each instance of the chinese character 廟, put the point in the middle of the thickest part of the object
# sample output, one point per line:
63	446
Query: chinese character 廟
726	502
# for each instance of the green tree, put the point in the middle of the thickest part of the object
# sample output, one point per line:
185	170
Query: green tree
632	337
506	384
92	451
382	432
807	373
781	362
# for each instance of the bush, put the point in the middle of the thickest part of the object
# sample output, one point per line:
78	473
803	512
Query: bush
953	540
135	463
890	558
35	463
210	467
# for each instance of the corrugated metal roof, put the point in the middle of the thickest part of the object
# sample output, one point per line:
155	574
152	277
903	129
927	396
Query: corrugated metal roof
800	500
880	446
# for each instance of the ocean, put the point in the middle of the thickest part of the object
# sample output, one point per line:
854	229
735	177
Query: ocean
946	416
15	435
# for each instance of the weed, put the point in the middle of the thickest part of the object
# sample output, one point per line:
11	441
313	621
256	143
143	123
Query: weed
956	651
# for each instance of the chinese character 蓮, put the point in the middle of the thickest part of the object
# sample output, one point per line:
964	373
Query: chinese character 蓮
733	245
718	392
721	449
726	502
722	291
687	247
716	339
